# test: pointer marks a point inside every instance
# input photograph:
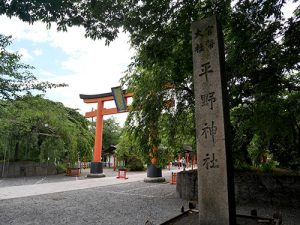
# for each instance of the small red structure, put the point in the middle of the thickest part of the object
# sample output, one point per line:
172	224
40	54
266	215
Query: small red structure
122	173
187	160
173	179
73	172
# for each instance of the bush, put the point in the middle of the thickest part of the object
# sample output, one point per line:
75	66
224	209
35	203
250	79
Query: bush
61	168
242	166
268	166
295	164
135	164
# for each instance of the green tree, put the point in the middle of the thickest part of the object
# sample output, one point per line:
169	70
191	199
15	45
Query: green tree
33	128
263	69
111	133
129	151
262	63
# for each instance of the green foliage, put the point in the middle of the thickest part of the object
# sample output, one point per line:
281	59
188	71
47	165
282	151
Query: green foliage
33	128
255	149
128	148
176	130
262	65
271	125
133	163
269	166
165	155
61	168
101	19
111	132
263	76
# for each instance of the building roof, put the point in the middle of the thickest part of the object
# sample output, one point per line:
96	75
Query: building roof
110	150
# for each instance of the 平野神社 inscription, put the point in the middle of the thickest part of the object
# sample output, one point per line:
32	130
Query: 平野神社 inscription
215	184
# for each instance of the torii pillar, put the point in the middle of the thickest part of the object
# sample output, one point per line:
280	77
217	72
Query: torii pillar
97	165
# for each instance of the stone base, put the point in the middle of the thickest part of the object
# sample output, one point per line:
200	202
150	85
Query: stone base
96	167
96	175
154	179
153	171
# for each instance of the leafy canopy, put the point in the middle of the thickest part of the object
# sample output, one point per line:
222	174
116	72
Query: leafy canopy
262	65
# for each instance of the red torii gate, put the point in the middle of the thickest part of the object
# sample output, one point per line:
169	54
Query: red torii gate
96	166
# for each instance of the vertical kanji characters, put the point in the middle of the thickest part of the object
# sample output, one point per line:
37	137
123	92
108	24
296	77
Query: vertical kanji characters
208	130
205	70
208	100
210	162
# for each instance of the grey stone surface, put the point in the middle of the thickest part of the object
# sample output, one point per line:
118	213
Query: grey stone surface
290	215
17	181
96	175
26	168
154	171
215	188
41	170
154	179
251	187
27	186
97	167
128	203
267	188
187	185
265	216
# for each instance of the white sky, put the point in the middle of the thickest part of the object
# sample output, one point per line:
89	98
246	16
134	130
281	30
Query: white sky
87	66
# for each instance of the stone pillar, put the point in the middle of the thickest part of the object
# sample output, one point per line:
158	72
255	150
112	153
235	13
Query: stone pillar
215	183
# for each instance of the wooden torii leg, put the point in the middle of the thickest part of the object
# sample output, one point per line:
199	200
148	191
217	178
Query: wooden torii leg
98	135
97	167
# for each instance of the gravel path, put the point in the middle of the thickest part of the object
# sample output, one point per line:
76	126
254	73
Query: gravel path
129	203
19	181
70	200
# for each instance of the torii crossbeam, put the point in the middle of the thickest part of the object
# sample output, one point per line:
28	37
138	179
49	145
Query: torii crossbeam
96	166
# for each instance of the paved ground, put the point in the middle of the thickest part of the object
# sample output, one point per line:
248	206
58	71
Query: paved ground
131	203
65	200
70	200
7	182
